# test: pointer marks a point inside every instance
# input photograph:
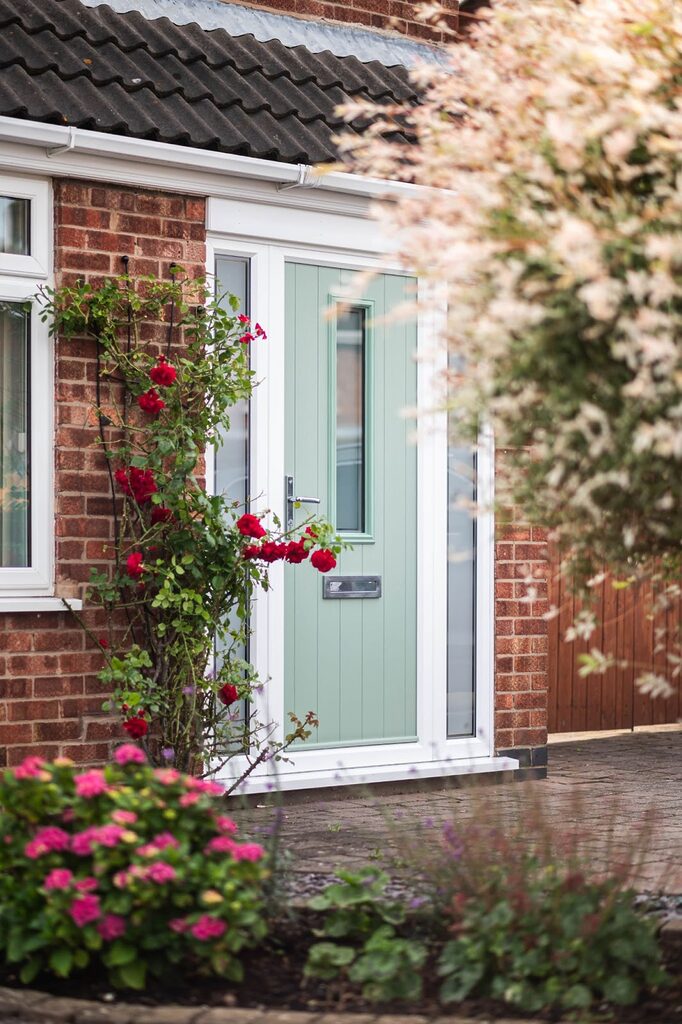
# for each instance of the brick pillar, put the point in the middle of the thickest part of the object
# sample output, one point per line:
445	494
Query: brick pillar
521	643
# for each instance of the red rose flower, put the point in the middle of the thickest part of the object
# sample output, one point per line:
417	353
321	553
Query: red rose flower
251	551
310	532
103	642
246	338
271	551
160	515
136	727
323	560
134	565
136	483
260	333
296	552
244	319
163	373
150	402
250	526
228	694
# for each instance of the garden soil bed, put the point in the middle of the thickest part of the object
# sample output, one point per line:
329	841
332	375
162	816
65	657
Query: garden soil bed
273	979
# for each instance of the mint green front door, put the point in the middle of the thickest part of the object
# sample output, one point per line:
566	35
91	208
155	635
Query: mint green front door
350	373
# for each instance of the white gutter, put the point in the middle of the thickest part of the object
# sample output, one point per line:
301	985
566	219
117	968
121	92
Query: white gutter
77	152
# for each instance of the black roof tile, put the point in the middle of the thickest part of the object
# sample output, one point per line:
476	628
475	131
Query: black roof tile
68	64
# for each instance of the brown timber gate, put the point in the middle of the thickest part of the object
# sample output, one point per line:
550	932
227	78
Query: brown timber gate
611	700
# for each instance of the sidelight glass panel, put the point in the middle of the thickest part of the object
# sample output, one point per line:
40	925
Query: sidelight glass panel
232	458
14	226
461	592
351	344
14	437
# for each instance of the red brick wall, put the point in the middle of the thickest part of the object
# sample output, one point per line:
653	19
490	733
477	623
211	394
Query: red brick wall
397	16
50	700
521	639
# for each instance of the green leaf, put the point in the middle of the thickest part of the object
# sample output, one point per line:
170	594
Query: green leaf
61	961
577	997
621	989
120	953
30	970
134	974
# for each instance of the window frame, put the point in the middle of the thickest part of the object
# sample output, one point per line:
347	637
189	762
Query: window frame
20	278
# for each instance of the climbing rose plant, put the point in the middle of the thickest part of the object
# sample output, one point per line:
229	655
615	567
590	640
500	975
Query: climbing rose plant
549	148
131	869
171	362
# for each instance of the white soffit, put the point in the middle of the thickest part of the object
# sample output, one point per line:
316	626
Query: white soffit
342	40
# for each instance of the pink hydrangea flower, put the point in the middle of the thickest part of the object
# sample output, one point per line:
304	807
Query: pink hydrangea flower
124	817
111	927
207	928
92	783
165	839
30	768
108	835
129	754
86	884
46	840
226	824
204	786
167	776
220	844
58	878
187	799
178	924
84	910
248	851
121	879
160	872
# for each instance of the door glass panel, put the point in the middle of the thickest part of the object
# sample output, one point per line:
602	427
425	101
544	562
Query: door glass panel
14	225
232	458
350	419
14	437
461	592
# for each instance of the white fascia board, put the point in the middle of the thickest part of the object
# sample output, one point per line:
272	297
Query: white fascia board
77	152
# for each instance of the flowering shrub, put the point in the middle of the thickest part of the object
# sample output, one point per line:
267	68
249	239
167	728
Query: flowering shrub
551	151
185	563
534	910
559	940
132	868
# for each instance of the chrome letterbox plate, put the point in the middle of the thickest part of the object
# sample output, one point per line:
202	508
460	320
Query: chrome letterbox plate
346	588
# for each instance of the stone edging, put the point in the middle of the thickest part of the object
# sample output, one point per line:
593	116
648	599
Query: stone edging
26	1006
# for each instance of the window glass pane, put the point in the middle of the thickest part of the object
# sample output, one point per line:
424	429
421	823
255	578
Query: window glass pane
350	420
232	458
14	437
461	592
14	226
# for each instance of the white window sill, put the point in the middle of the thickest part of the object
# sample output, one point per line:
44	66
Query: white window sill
39	604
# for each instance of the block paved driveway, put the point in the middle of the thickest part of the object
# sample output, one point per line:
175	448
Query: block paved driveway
604	787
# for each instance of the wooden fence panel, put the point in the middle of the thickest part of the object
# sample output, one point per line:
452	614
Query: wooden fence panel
626	629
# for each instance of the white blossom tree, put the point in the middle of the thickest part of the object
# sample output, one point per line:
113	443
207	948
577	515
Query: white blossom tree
549	149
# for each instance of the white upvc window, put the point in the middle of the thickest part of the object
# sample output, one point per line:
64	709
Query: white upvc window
26	396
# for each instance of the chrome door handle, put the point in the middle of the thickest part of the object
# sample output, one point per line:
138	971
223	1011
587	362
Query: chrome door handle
291	501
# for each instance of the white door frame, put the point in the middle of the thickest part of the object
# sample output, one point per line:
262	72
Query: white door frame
270	236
